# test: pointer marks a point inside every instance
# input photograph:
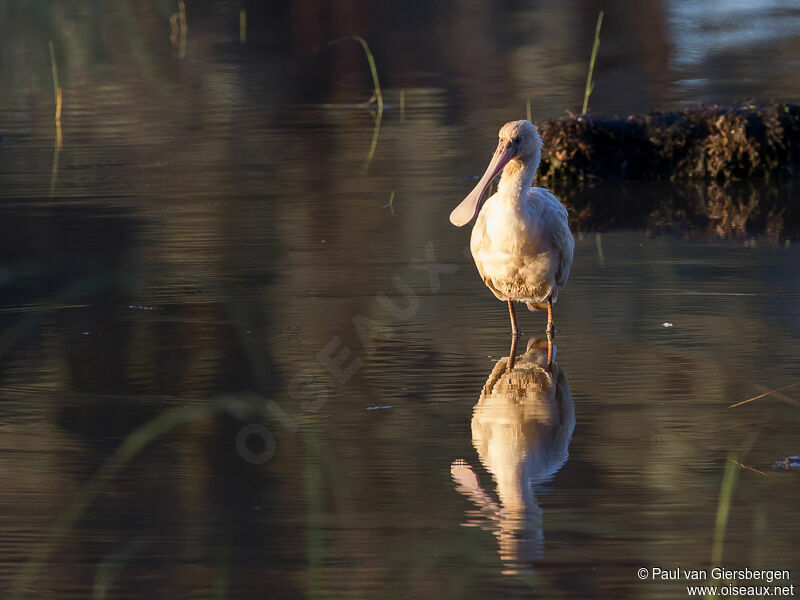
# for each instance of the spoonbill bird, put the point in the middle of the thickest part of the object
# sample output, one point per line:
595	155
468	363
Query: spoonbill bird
521	242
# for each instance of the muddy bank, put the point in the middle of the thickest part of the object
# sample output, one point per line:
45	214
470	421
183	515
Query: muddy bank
713	142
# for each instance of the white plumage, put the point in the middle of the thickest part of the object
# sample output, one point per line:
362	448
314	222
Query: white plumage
521	242
522	246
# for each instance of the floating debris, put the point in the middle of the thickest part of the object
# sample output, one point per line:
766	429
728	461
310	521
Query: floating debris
767	393
790	462
380	407
749	468
666	324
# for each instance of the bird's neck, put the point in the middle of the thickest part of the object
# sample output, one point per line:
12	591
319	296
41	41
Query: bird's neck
517	177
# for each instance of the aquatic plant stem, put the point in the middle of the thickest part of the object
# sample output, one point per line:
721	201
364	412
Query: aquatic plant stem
56	87
375	133
57	116
589	81
390	204
598	241
729	478
377	95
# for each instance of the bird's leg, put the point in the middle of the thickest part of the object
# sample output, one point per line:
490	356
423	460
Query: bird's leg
513	315
551	330
512	354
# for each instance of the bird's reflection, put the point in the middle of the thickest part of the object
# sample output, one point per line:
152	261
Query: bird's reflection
521	428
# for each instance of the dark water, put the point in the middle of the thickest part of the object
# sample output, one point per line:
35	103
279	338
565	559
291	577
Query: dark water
215	254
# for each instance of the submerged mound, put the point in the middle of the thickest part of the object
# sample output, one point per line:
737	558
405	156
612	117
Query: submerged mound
713	142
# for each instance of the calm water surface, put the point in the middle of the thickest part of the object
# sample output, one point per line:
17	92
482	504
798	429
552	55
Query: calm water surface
215	231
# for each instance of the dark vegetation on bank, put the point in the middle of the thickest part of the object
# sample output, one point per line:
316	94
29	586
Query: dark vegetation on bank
713	142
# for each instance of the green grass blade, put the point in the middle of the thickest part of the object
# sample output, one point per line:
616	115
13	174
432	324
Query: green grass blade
729	478
589	83
377	95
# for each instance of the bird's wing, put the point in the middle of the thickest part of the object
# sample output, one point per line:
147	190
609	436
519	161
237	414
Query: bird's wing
557	219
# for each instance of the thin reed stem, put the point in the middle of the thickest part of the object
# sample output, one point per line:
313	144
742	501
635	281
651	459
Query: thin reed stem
377	95
589	81
729	478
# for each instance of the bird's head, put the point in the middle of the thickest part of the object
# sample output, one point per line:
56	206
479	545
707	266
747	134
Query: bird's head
523	139
519	141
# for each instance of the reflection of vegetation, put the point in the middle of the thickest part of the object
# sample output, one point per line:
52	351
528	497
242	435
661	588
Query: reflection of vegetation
589	81
179	28
724	209
222	574
57	97
111	566
377	95
127	451
374	143
315	544
56	93
375	99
